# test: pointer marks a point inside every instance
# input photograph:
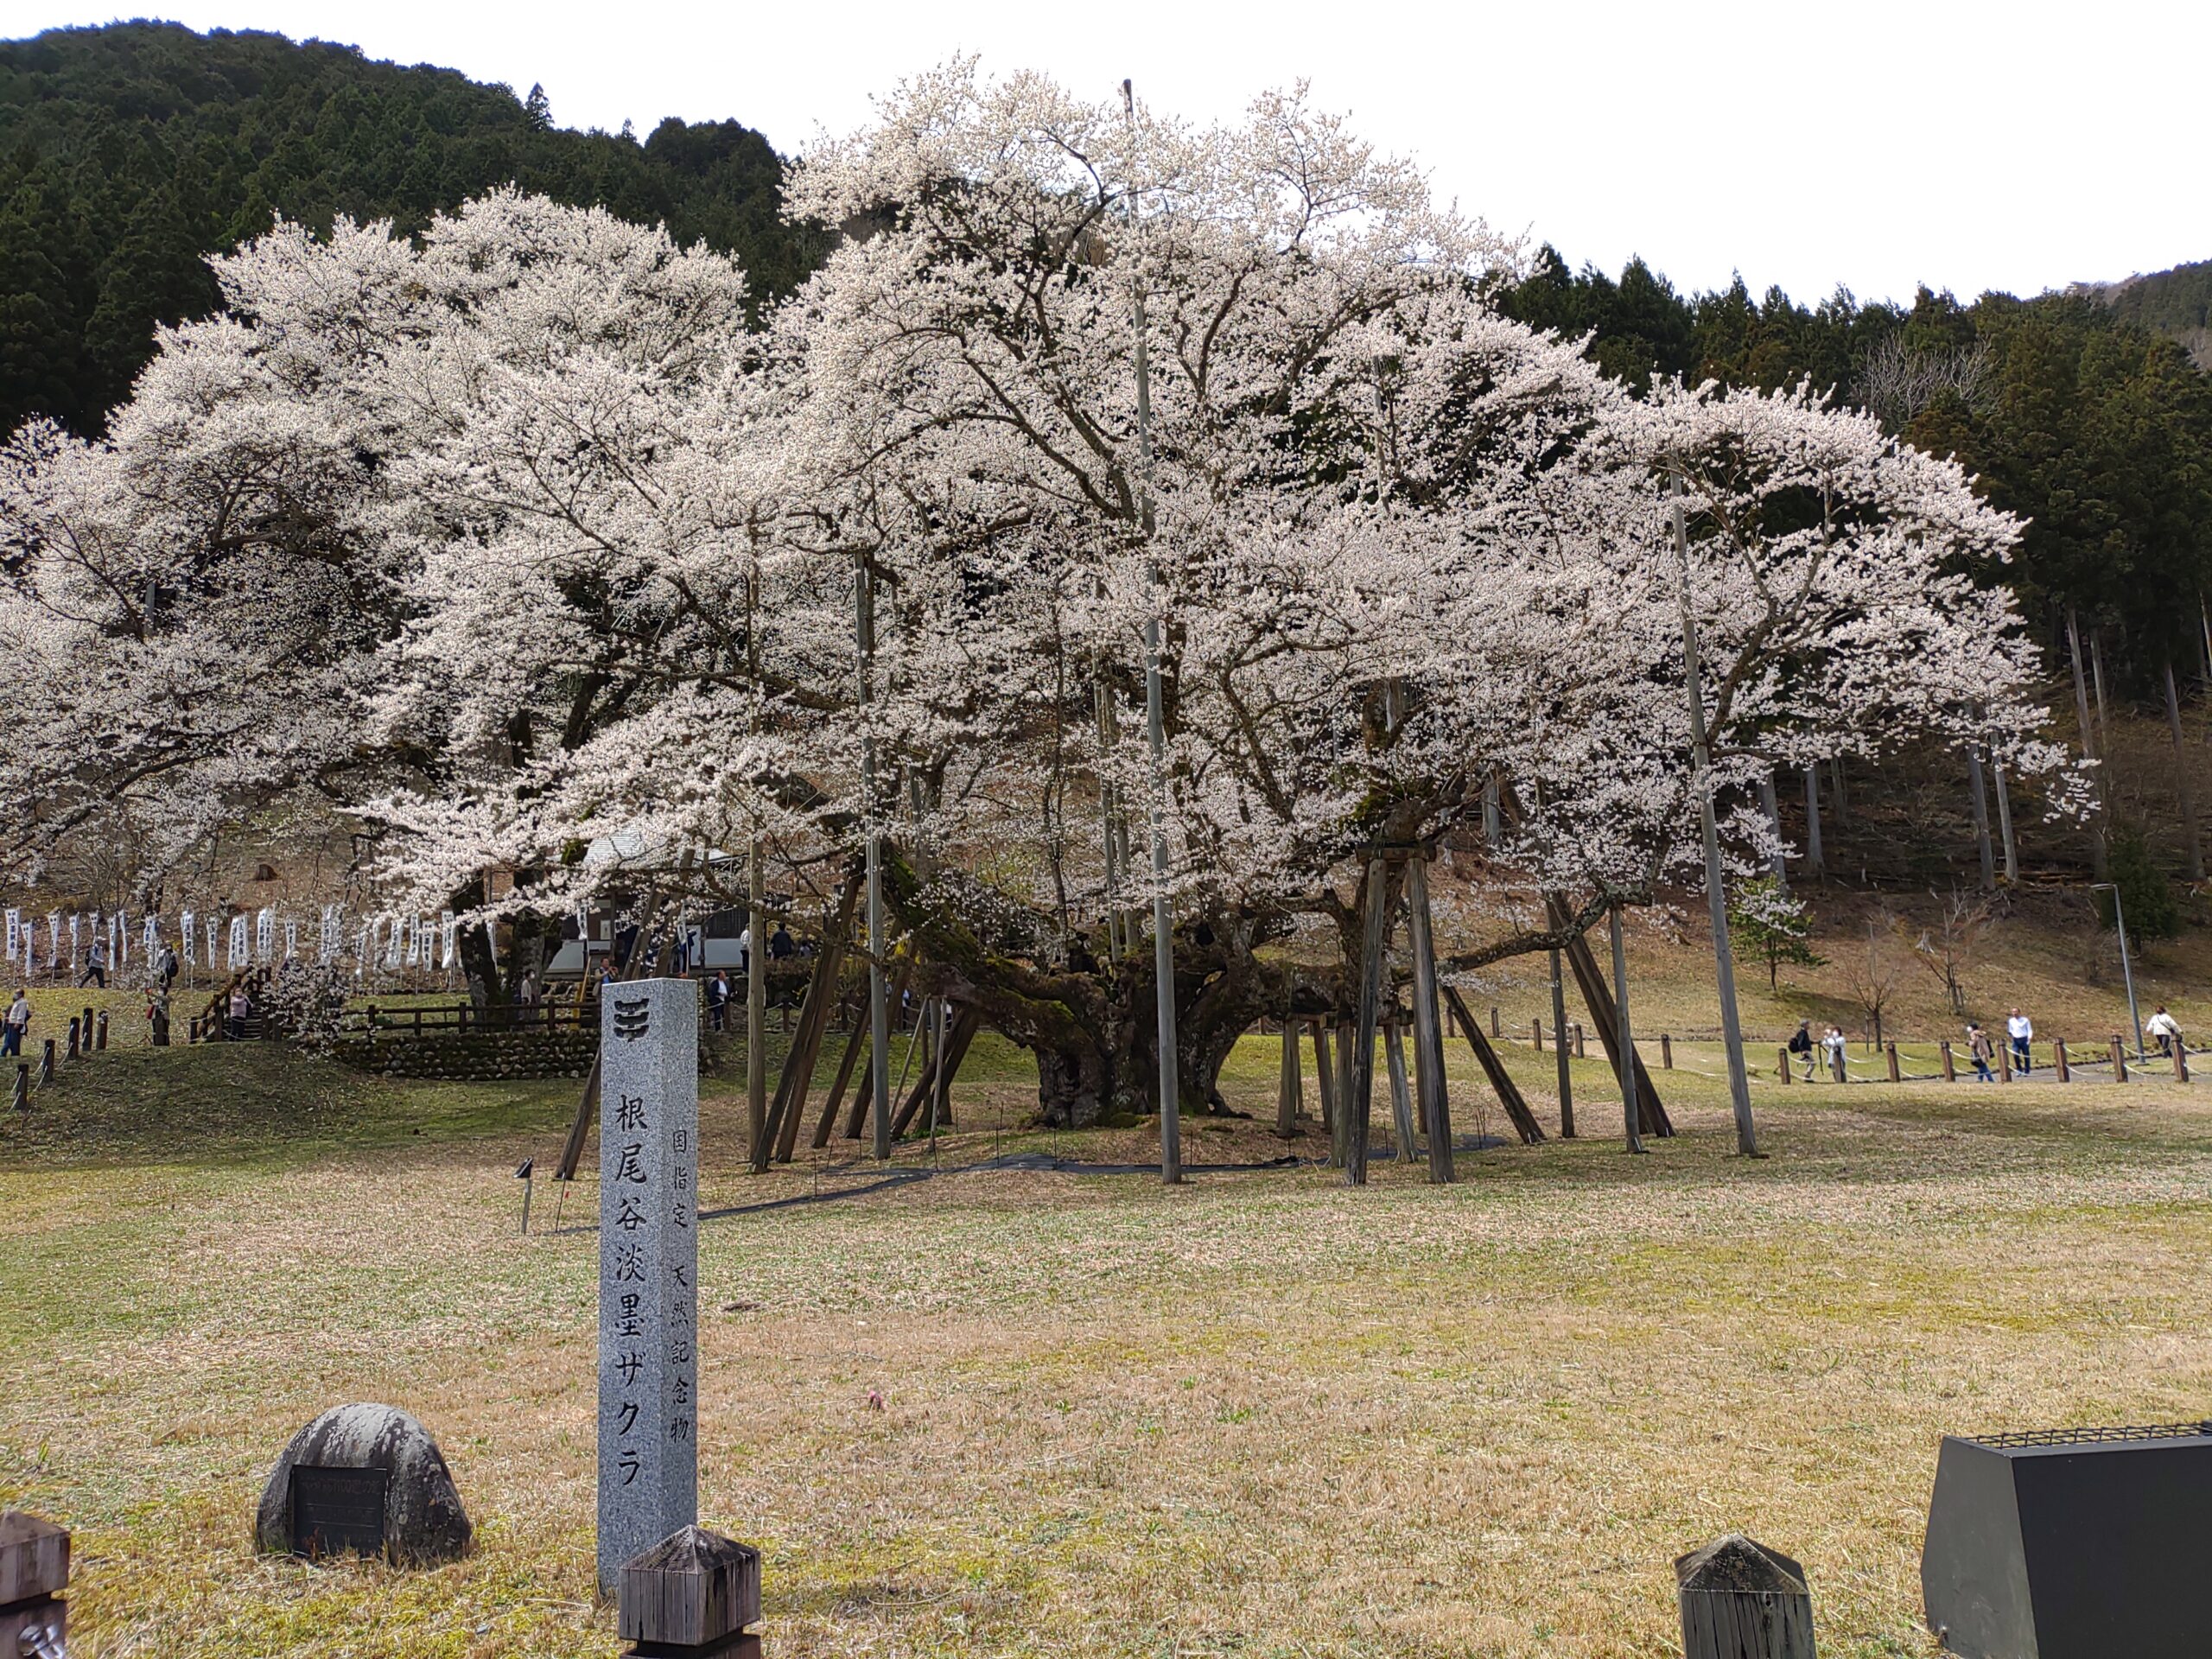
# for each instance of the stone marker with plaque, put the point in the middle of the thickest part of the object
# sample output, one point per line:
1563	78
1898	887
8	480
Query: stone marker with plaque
648	1268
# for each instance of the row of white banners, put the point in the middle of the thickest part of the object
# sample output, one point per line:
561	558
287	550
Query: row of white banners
82	940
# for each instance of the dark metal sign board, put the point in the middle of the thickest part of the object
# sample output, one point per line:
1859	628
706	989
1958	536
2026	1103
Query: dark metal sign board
338	1510
2073	1544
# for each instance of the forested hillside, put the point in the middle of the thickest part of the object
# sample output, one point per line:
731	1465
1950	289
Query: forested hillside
129	152
2176	302
2073	412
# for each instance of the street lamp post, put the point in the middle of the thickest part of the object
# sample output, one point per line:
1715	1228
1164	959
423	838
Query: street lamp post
2126	972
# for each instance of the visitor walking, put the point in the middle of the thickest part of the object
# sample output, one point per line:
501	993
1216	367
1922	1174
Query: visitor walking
14	1024
95	967
241	1010
718	997
1837	1045
169	966
1984	1051
745	948
1801	1045
2022	1031
2163	1027
780	945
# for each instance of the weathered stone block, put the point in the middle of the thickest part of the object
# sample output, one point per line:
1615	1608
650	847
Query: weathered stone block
423	1520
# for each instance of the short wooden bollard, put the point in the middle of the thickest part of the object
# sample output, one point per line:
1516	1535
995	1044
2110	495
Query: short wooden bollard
1896	1074
33	1572
88	1031
1783	1067
1742	1600
1495	1030
1666	1052
1537	1034
1577	1040
2004	1062
192	1033
1950	1067
2181	1063
692	1593
73	1038
99	1032
1836	1066
2058	1062
2119	1061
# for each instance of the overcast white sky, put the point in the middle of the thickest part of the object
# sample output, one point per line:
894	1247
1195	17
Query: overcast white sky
2010	144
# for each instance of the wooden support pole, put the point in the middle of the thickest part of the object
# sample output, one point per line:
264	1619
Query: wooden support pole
1579	1053
72	1037
865	1096
2058	1055
1371	998
2181	1062
827	1123
781	1134
2004	1062
1500	1081
1599	998
1782	1066
1346	1028
1895	1075
1324	1076
22	1086
757	1140
1401	1101
2118	1060
1433	1107
1625	1048
1290	1091
1666	1052
1950	1066
943	1065
1495	1030
46	1064
1536	1035
1563	1079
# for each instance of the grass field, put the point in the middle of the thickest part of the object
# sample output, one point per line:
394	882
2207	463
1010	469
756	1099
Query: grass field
1261	1416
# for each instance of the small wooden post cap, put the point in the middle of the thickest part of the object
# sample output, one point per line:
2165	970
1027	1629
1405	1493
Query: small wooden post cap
1742	1600
689	1592
34	1558
1736	1565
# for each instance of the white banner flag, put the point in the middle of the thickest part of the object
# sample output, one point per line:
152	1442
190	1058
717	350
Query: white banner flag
264	933
190	935
241	943
330	936
447	931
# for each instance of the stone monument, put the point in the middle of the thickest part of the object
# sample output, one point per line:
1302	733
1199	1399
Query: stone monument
363	1479
648	1268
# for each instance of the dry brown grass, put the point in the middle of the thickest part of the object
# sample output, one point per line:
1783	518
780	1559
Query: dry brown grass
1261	1415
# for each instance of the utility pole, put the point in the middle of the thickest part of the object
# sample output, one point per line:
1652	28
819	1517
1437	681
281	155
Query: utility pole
1163	919
1724	960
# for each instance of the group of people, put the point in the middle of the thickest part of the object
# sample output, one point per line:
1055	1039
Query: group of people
720	993
1830	1046
1981	1046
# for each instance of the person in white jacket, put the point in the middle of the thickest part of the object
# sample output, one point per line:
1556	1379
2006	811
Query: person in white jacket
2022	1031
2163	1027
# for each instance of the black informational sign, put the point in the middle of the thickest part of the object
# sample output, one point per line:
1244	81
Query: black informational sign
338	1510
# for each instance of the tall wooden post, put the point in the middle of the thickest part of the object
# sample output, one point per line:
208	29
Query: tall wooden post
2011	847
1778	866
1324	1079
1627	1034
1564	1074
2118	1059
878	1009
1950	1065
1978	797
1896	1074
1291	1091
2181	779
1370	996
2058	1055
1435	1102
1815	863
1402	1104
1724	962
756	1010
